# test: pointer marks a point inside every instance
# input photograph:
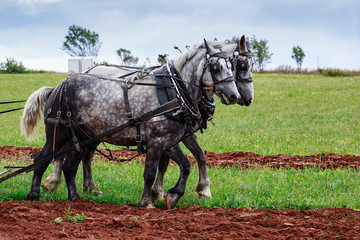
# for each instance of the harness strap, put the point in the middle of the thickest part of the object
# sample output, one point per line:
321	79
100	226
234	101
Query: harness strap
132	122
127	105
57	121
68	114
123	81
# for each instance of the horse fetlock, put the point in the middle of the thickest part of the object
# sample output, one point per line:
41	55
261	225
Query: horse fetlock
203	191
158	195
51	183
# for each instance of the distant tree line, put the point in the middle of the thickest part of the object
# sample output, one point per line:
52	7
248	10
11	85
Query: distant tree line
83	42
13	66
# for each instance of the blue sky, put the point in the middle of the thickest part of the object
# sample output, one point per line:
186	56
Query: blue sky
32	31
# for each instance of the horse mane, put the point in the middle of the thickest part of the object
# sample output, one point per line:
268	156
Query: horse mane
180	61
233	40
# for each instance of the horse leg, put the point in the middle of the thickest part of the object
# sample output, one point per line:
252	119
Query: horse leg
153	154
39	170
70	168
54	179
203	187
89	183
178	190
157	191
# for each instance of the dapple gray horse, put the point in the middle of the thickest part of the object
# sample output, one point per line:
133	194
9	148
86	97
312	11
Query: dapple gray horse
95	106
240	51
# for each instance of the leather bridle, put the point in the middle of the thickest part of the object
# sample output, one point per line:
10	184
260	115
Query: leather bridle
241	65
215	68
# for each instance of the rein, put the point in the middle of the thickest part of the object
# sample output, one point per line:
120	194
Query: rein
11	110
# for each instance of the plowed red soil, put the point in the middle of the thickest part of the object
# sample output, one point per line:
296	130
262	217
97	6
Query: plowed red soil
31	220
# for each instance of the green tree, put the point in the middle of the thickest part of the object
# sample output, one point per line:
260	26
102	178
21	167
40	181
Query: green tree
298	54
126	58
12	66
81	42
261	55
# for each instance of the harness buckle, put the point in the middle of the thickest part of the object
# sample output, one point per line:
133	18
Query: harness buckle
128	83
129	115
138	138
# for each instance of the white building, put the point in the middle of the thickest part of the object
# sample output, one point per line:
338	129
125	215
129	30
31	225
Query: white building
80	64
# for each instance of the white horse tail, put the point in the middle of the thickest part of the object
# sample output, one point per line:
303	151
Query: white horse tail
33	111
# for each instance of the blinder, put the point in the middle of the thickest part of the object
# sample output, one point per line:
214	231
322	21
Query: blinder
242	65
216	67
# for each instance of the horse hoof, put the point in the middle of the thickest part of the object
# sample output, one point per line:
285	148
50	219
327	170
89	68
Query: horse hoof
170	200
148	206
206	193
96	192
74	198
93	190
49	186
32	197
158	196
51	183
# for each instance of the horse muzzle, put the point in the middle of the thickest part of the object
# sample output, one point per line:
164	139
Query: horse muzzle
231	99
245	103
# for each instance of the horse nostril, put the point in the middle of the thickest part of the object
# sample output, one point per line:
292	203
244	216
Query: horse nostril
233	98
250	100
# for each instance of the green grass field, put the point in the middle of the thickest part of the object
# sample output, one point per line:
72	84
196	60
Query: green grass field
291	114
285	188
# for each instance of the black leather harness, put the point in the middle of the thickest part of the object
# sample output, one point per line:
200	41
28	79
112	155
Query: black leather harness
171	88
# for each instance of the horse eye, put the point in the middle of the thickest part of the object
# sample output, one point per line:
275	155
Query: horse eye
228	65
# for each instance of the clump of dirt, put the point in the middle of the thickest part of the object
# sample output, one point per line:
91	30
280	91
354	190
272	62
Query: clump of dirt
31	220
11	152
248	159
231	159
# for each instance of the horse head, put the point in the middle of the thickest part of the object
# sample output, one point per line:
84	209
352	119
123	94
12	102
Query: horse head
218	75
242	66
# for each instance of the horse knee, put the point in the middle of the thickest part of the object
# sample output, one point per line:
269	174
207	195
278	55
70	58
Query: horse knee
186	168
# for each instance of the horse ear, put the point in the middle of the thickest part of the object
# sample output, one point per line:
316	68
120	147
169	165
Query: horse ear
242	43
206	45
209	48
